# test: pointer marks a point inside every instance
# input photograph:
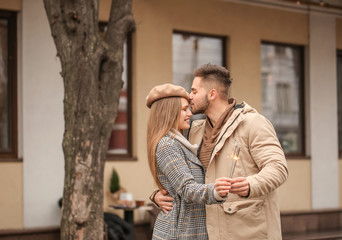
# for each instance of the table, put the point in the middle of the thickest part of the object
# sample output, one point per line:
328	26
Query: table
128	216
128	212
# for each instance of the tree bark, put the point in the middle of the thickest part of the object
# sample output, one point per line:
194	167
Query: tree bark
92	73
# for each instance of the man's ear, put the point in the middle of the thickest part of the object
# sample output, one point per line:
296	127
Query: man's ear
212	94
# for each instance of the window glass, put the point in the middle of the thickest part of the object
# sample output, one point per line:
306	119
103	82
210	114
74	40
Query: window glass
8	108
120	138
5	144
282	78
339	92
118	143
189	51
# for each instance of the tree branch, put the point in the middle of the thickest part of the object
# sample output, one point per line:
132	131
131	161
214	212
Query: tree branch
120	22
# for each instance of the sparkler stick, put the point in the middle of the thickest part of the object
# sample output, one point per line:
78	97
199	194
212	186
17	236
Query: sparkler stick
235	159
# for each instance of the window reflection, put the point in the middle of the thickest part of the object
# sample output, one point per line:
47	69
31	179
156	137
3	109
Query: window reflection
119	142
4	93
190	51
281	73
339	91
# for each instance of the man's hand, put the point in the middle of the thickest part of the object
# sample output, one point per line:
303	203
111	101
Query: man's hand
240	186
222	186
164	201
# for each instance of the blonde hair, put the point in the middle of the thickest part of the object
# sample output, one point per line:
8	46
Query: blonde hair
164	116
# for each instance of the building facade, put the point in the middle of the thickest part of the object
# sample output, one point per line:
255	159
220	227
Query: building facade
284	57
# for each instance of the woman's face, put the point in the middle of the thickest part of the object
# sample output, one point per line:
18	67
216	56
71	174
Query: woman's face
184	115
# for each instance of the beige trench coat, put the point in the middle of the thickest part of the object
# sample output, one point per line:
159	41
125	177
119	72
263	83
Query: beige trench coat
262	161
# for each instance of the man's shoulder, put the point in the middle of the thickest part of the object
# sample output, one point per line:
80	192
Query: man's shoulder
198	123
196	131
249	112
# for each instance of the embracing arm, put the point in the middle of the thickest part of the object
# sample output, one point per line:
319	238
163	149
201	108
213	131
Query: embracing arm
162	200
172	164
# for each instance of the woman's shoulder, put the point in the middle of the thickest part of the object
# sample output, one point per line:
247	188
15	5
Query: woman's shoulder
167	141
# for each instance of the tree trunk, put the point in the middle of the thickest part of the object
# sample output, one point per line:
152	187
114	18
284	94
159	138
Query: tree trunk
92	73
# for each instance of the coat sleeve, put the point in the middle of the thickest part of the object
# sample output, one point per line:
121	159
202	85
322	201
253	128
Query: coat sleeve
269	157
172	165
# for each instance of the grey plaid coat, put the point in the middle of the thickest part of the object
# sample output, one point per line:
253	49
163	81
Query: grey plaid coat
182	175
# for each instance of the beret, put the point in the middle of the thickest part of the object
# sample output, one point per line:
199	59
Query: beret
164	91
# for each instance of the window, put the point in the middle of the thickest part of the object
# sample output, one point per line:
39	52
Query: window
282	93
190	50
120	142
8	86
339	97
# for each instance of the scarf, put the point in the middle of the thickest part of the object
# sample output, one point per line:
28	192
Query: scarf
177	135
211	133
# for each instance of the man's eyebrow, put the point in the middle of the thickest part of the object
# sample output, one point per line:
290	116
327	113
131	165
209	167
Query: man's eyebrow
192	89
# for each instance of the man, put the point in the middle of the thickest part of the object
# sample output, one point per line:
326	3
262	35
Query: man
251	209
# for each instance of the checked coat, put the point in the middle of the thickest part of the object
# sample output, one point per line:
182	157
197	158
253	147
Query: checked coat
182	175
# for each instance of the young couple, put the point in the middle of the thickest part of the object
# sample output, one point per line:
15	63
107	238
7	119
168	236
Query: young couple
193	175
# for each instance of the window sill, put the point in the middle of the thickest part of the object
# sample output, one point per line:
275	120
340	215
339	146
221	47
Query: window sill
116	158
9	159
297	157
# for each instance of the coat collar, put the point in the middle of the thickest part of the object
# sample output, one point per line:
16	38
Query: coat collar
229	127
191	147
178	136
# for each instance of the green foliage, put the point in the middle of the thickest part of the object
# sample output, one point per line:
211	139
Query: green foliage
114	182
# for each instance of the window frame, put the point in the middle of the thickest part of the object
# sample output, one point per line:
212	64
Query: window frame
339	105
129	155
301	97
222	37
12	155
224	41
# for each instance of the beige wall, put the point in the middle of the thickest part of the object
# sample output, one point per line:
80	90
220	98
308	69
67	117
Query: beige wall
11	200
14	5
104	9
295	193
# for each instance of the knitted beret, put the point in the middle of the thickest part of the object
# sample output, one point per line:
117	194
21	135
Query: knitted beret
165	90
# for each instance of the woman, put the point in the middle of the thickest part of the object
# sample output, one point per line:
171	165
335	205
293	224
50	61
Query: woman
176	168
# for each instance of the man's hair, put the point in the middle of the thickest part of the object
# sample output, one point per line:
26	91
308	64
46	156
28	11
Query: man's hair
215	76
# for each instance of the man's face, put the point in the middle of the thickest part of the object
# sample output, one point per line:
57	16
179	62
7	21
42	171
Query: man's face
199	101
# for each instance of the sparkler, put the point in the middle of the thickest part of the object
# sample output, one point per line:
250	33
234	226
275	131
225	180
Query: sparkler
235	159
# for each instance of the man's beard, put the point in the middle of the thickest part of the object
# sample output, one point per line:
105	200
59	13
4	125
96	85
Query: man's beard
202	107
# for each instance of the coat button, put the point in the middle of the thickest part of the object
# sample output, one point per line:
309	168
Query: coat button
229	209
